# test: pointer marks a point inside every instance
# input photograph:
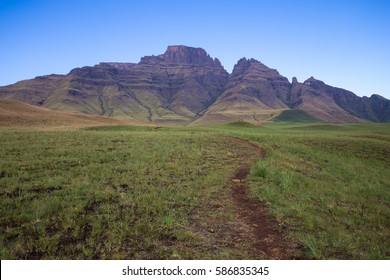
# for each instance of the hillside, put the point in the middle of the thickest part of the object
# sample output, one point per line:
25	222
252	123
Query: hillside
293	116
15	114
186	85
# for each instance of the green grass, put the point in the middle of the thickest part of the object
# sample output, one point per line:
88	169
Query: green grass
240	124
123	192
331	186
293	116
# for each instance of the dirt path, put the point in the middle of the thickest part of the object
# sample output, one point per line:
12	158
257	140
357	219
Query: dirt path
267	238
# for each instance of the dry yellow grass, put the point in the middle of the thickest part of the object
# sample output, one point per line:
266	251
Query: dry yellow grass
18	115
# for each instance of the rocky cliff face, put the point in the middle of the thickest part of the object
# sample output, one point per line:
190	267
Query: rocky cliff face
185	85
188	55
182	55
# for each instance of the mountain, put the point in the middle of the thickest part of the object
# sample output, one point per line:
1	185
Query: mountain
185	85
333	104
317	99
253	93
173	87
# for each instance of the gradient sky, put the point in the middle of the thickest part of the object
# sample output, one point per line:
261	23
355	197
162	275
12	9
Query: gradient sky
343	43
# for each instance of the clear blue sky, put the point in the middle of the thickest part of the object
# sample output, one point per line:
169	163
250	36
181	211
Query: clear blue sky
343	43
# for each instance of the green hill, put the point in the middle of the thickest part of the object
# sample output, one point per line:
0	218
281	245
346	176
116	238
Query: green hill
293	116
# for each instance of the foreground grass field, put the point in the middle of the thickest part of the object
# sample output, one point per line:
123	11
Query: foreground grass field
139	192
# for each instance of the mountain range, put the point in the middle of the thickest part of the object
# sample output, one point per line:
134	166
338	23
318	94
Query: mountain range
187	86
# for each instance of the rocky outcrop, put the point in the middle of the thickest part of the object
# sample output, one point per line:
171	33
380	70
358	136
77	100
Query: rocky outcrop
183	55
188	55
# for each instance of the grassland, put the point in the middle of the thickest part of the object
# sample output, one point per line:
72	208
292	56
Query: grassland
329	183
105	193
123	192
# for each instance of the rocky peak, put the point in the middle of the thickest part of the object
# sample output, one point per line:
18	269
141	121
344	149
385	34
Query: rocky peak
189	55
314	83
377	97
312	80
242	66
294	80
183	55
245	65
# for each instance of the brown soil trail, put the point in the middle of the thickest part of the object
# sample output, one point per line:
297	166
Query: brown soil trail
267	237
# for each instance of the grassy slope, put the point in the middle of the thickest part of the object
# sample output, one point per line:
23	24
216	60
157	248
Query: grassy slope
136	192
293	116
15	114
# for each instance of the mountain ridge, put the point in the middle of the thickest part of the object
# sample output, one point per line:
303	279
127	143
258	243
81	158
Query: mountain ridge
186	85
